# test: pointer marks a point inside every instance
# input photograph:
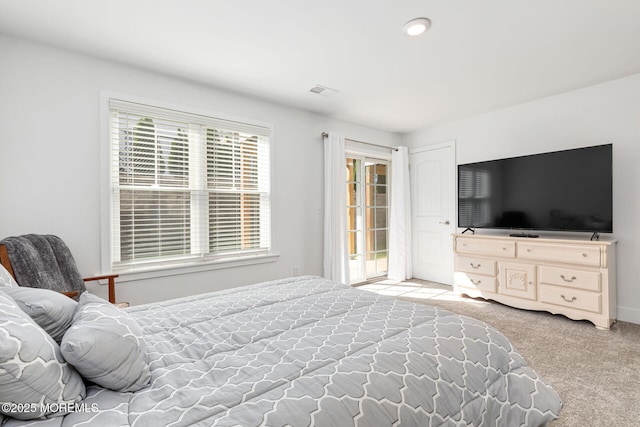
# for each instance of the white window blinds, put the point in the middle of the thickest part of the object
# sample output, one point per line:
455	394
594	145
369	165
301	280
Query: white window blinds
186	187
474	190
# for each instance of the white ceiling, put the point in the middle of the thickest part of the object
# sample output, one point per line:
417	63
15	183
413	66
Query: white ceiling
478	55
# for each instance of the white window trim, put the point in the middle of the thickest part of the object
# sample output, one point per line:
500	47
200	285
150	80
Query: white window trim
194	267
180	266
356	148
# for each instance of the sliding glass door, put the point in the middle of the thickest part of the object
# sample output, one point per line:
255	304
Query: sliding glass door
367	217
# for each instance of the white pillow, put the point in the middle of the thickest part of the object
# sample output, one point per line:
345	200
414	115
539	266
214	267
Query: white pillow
32	370
105	345
6	280
51	310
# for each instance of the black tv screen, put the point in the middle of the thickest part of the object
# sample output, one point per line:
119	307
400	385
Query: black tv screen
568	190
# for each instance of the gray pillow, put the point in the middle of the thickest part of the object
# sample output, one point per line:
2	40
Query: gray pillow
32	370
105	345
6	280
51	310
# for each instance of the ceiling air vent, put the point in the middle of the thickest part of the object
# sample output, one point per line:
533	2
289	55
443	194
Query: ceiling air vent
323	90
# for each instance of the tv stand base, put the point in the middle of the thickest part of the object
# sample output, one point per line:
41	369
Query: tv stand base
572	277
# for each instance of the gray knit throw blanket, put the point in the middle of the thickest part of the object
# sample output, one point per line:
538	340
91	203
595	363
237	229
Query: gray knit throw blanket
43	261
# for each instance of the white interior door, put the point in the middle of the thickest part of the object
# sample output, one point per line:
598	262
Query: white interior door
433	211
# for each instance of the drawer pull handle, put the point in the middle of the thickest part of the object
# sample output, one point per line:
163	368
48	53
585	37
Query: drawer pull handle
476	266
568	280
476	282
567	299
584	255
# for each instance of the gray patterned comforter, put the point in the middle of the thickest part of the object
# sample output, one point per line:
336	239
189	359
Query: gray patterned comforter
307	351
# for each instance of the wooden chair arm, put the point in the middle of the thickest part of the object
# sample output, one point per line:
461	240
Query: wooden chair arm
111	284
71	294
4	260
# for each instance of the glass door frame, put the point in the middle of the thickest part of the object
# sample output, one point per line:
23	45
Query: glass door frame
360	246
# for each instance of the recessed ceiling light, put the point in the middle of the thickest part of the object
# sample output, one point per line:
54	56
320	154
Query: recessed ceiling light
417	26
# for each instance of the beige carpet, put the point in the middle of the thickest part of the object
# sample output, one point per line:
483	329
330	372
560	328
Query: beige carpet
596	373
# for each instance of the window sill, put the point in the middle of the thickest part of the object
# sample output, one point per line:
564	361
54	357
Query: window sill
150	272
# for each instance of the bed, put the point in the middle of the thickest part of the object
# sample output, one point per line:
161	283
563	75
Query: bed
305	351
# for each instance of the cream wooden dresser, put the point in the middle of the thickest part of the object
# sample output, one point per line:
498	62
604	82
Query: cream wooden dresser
576	278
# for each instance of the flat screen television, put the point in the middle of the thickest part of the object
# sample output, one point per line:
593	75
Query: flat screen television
569	190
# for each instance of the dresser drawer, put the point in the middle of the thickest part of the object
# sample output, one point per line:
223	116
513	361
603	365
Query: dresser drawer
573	298
477	265
570	277
476	281
500	248
570	254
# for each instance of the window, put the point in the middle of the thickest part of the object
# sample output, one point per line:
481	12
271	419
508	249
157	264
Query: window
186	187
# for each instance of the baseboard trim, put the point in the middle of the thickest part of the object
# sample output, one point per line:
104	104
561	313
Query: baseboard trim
629	314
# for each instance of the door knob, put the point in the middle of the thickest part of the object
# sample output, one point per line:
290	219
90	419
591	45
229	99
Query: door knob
444	222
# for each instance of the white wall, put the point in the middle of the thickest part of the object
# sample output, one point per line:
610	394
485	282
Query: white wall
605	113
50	161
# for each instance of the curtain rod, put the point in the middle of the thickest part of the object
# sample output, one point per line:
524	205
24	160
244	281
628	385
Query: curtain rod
325	134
